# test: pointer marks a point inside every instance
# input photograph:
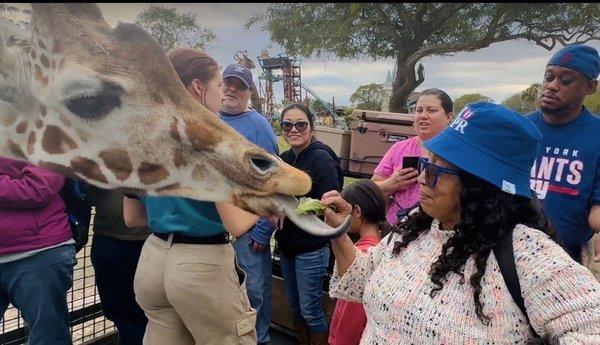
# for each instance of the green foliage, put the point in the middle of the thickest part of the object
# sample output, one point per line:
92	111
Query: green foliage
592	102
463	100
172	29
524	101
368	97
347	116
319	106
409	32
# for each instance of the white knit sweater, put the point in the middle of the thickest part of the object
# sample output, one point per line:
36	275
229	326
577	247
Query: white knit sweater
562	297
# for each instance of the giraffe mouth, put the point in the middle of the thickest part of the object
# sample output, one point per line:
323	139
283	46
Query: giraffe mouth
309	223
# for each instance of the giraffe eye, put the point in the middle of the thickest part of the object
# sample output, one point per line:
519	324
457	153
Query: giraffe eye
96	105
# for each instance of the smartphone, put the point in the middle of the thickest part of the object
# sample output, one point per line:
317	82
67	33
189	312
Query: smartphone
410	162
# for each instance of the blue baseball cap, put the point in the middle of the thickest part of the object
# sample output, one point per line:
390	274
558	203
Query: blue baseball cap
240	72
493	143
584	59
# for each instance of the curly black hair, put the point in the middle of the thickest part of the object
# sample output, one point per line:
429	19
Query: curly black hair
486	214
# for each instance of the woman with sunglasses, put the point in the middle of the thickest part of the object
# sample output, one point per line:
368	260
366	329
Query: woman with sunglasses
398	182
436	278
305	257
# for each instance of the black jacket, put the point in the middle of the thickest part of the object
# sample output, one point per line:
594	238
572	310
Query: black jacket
323	166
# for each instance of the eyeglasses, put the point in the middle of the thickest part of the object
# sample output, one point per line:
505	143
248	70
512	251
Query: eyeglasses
432	171
301	126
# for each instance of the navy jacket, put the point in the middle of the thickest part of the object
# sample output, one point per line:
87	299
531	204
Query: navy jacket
323	166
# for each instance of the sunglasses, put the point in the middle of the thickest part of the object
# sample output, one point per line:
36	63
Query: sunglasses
238	85
432	172
301	126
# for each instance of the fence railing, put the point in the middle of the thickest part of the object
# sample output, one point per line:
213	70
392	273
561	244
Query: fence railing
87	319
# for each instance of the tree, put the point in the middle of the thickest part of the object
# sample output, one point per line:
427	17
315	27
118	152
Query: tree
172	29
525	101
592	102
409	32
368	97
22	18
463	100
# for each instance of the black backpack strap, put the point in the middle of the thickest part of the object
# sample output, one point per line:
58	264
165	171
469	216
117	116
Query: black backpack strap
505	256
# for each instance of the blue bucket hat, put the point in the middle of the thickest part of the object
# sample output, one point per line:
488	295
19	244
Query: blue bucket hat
493	143
240	72
584	59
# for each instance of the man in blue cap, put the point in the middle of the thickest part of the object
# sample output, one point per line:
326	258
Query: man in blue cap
566	173
252	248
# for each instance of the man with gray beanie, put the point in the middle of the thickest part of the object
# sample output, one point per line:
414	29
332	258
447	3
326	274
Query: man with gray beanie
252	249
566	173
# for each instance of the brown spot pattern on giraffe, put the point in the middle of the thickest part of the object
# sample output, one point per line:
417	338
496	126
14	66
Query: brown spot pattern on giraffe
57	47
41	44
16	149
44	60
61	169
39	123
174	131
30	143
156	97
43	110
21	127
39	76
168	188
151	173
88	168
118	162
56	141
201	137
178	158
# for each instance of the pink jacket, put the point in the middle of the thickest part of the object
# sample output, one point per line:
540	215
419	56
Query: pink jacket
32	213
391	162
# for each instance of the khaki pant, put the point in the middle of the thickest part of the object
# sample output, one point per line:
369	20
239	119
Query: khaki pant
192	294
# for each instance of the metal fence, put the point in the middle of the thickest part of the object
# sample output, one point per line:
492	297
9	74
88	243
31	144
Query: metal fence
87	319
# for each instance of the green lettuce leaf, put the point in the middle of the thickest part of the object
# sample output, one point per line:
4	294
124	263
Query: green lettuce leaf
310	205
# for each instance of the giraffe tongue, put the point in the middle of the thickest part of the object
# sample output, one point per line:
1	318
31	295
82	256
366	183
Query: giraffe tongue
309	222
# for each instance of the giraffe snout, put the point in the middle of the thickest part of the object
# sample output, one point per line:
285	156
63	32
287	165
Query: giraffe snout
264	164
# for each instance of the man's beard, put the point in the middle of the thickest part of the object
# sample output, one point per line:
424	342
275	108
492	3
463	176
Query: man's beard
558	112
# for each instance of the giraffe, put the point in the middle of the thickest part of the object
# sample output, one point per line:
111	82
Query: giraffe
105	105
241	58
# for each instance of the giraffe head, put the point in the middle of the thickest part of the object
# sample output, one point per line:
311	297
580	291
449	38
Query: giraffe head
105	105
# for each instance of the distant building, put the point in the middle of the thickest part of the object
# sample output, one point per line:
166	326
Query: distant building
388	87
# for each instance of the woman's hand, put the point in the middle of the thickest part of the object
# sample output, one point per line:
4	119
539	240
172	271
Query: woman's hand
277	221
341	206
402	179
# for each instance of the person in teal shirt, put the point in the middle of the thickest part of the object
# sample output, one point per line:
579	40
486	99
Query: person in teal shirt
187	280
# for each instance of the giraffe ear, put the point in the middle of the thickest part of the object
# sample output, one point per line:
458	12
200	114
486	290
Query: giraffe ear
85	11
8	63
60	19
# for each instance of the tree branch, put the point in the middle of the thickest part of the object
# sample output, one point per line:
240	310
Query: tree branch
390	27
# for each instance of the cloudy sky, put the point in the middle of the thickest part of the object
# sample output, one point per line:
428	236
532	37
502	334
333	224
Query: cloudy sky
497	71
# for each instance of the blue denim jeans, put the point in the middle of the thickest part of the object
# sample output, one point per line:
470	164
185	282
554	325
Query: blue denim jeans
115	262
37	286
303	282
258	283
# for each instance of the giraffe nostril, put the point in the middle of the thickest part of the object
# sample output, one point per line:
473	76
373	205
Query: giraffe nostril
263	164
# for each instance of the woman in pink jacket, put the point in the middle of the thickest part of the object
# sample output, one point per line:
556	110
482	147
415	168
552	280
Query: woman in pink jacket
36	250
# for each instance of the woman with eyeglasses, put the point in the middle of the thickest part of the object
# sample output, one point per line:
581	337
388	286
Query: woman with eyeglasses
305	257
398	182
477	264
